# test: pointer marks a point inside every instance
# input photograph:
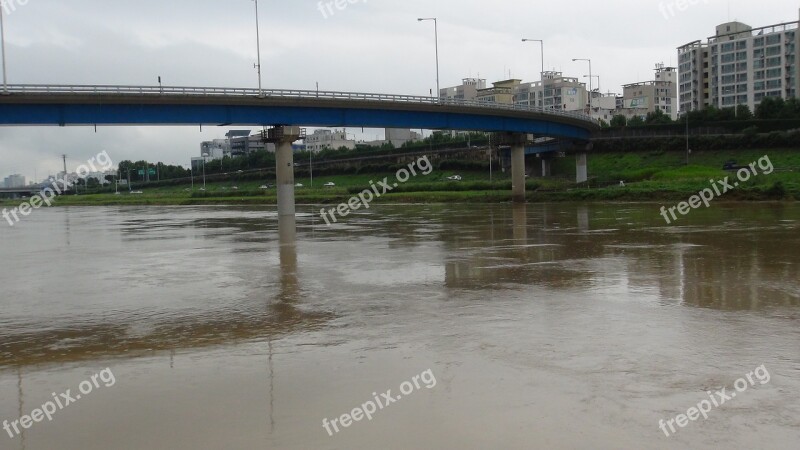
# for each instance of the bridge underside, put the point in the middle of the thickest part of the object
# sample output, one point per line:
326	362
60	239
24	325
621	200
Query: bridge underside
438	118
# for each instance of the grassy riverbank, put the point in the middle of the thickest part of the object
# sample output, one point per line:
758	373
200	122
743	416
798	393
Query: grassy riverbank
648	177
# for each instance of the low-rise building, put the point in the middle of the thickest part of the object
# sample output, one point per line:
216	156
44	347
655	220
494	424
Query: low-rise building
555	91
468	90
501	92
328	140
640	99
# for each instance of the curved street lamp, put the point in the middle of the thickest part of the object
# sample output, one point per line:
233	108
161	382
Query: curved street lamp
436	31
540	41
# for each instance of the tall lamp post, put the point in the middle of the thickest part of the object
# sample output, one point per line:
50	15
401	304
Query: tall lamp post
436	31
541	42
3	44
258	49
590	80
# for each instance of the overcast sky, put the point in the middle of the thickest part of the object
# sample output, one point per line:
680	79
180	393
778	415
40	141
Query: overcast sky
370	46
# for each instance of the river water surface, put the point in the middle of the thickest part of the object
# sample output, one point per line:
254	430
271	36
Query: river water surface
542	327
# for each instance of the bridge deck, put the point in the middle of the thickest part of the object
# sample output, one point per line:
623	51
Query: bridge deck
132	105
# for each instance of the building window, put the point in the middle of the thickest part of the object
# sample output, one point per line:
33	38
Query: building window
774	39
774	84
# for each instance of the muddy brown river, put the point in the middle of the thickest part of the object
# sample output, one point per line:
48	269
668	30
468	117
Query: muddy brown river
402	327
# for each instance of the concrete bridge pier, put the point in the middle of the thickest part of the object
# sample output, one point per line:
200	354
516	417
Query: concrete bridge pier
517	142
283	137
547	165
582	169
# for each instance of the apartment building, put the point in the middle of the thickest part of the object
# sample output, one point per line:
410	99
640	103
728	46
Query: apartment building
740	65
555	91
640	99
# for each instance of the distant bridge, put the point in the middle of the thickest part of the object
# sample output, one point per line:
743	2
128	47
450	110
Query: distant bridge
20	191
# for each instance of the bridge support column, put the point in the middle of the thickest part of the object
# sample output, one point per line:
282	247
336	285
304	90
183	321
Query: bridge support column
582	168
517	142
547	165
283	138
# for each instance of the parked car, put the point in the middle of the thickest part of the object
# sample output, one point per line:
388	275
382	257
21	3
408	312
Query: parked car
298	185
454	178
330	184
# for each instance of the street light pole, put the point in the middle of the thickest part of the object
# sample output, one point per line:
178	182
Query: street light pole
258	49
3	44
436	34
598	81
590	80
540	41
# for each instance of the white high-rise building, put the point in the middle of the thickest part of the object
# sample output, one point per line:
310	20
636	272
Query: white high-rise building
14	181
740	65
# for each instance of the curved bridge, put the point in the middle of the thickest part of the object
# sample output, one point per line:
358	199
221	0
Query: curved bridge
139	105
